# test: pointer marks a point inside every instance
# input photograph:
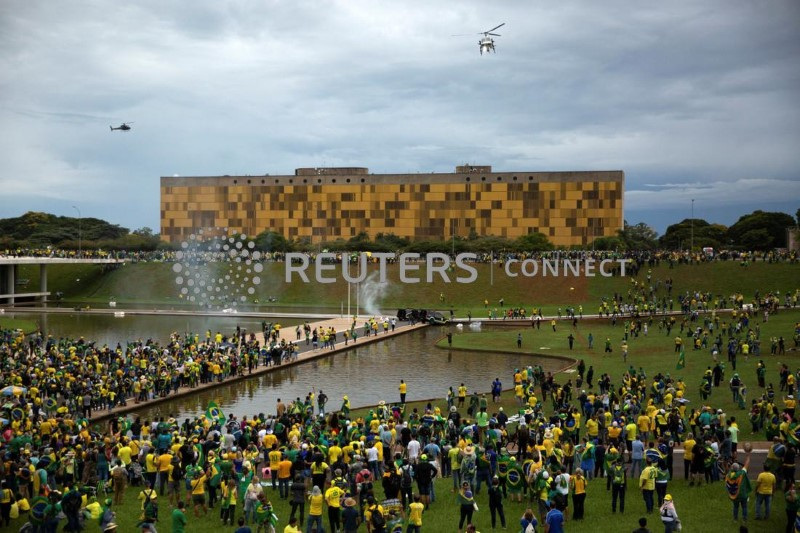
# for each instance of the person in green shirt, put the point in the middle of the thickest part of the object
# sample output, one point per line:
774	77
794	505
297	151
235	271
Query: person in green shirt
179	518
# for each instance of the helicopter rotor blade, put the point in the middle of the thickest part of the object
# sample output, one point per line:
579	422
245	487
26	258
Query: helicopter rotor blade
495	34
501	25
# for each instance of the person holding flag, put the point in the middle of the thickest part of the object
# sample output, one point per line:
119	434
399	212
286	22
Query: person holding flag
214	414
681	361
738	487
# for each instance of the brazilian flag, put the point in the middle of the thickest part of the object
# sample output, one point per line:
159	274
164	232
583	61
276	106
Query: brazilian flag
681	361
214	413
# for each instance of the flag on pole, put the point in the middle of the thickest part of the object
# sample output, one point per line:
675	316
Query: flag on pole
681	360
214	413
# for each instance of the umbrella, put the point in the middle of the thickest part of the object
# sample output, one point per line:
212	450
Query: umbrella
3	421
13	390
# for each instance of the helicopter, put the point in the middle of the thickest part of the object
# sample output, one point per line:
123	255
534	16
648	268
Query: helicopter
487	43
125	126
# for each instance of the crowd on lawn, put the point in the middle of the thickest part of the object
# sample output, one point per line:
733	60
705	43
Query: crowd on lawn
376	471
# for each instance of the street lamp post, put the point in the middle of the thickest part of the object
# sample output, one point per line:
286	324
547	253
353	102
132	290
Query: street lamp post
80	232
691	241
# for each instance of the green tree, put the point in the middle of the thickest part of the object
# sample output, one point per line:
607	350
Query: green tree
679	236
756	239
489	243
608	243
272	241
390	241
774	224
638	237
533	242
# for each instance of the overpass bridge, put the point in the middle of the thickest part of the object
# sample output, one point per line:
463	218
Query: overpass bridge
9	268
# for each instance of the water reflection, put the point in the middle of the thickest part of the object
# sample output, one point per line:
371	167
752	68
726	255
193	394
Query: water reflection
366	374
107	329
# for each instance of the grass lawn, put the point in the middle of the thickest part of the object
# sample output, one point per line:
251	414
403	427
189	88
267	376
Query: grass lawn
655	353
154	283
17	323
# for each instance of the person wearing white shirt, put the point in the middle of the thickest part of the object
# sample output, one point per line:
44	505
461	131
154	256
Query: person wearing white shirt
413	450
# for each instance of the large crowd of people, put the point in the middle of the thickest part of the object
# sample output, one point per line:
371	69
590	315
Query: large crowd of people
649	257
376	471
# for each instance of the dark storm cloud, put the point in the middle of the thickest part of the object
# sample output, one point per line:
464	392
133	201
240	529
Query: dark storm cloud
691	99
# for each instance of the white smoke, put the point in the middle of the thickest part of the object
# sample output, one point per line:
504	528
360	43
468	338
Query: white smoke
371	292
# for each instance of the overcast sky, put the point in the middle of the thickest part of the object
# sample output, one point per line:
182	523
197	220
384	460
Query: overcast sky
693	100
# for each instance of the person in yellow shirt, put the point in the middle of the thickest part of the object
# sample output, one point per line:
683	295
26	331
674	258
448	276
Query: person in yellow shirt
688	455
147	494
643	424
333	498
230	495
198	488
403	388
315	500
647	482
291	527
334	452
462	395
124	453
765	488
578	485
164	461
274	456
415	511
284	476
592	428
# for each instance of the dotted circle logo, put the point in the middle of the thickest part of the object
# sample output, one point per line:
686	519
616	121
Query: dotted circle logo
217	268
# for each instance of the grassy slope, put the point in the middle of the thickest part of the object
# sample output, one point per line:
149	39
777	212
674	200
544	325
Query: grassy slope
155	283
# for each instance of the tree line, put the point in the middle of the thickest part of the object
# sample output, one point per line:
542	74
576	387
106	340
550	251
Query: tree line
759	230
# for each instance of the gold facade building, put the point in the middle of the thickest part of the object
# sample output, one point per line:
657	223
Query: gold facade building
323	204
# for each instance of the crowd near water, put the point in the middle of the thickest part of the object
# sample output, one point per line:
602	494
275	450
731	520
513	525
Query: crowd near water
533	437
